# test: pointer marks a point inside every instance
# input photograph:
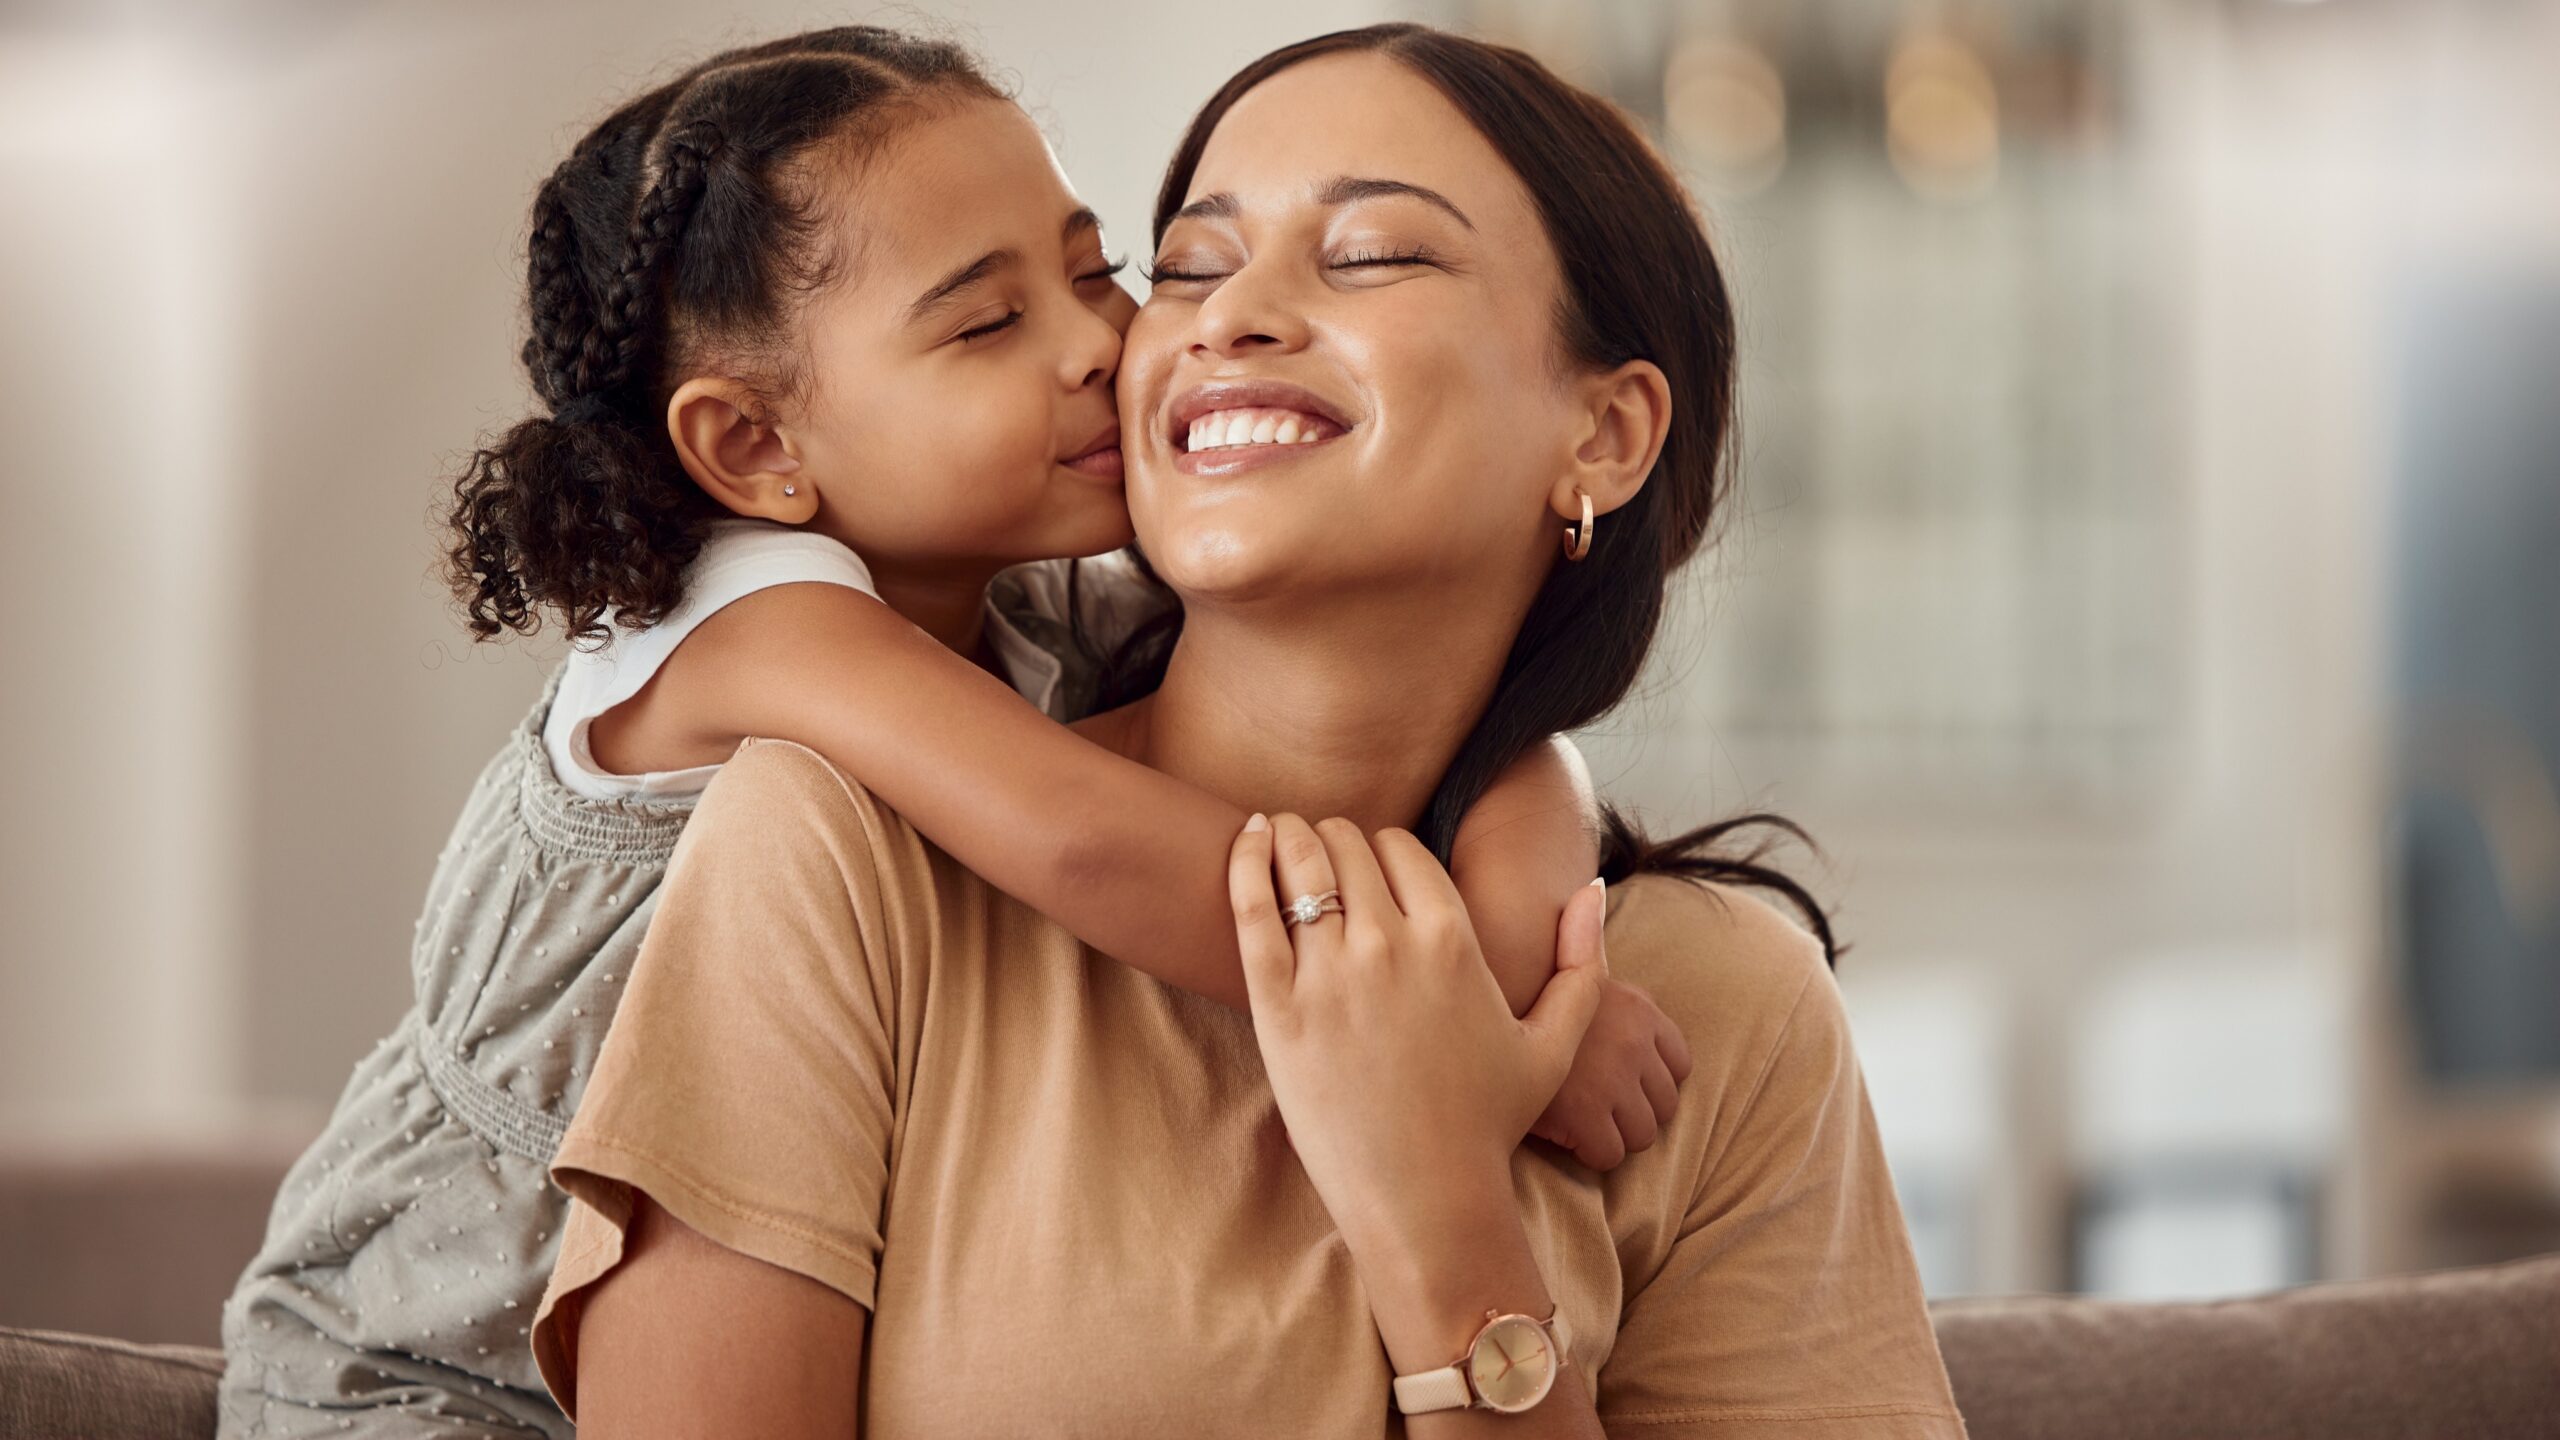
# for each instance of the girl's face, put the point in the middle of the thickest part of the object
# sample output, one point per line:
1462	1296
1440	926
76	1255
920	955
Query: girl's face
959	408
1355	263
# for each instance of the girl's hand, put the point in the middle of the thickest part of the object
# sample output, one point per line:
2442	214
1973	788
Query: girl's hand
1403	1077
1625	1082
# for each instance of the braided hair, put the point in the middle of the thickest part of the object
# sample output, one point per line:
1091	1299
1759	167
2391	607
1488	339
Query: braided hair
686	226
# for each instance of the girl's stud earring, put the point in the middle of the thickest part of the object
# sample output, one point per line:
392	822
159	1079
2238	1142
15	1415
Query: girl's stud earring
790	489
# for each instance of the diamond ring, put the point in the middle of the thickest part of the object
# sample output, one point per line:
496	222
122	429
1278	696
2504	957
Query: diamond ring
1306	909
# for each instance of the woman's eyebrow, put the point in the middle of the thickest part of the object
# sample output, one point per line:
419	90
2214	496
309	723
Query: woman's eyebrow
1347	189
1341	190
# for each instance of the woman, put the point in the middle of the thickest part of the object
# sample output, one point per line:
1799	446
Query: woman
905	1185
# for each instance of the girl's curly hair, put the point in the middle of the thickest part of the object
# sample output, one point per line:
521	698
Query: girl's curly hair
688	223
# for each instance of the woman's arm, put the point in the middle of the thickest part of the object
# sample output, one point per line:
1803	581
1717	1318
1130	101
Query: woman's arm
688	1338
1409	1145
1128	859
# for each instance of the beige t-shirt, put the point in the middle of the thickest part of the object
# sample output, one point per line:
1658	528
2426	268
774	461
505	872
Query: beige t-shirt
846	1055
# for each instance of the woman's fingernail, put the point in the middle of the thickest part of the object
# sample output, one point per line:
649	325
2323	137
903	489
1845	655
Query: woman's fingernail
1258	822
1598	883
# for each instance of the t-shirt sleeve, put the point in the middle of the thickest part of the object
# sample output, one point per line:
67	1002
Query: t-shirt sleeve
1788	1304
748	1081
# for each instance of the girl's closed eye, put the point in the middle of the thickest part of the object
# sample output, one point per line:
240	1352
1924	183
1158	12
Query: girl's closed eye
1101	274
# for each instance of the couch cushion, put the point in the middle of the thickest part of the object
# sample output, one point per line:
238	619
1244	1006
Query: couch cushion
146	1246
55	1386
2472	1353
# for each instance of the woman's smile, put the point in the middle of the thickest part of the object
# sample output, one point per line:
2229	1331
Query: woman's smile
1225	427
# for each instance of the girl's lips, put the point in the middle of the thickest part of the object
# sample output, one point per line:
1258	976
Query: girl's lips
1103	463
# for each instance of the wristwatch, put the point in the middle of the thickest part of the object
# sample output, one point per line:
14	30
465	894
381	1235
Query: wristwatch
1510	1366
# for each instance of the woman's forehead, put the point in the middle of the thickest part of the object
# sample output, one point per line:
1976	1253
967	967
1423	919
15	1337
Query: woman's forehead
1365	116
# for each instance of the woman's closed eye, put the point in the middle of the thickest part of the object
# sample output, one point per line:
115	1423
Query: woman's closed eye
1384	257
1369	257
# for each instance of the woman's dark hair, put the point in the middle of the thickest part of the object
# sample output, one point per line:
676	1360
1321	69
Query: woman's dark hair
1640	282
688	225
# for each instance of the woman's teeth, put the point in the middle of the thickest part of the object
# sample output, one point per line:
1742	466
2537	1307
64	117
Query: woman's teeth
1220	429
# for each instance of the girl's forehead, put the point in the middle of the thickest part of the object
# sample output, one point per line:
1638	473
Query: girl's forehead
958	182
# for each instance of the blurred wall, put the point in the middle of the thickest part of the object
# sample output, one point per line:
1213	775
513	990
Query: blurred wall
261	270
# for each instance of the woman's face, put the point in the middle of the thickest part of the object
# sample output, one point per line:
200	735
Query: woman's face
1357	289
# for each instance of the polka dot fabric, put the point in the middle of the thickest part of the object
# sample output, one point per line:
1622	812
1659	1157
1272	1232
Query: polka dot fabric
409	1245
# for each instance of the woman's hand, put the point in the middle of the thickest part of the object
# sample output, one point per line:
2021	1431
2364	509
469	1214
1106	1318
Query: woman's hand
1395	1059
1404	1079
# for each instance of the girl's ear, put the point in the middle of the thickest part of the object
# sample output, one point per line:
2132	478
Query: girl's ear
1625	412
748	465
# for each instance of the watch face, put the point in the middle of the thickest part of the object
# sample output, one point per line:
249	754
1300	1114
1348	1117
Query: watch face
1512	1366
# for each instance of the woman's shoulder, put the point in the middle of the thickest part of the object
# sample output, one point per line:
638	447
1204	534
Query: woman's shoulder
1674	929
1732	969
774	788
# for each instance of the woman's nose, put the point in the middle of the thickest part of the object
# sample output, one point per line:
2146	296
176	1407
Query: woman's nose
1246	314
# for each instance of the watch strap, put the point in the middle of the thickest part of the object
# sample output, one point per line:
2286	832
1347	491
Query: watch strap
1441	1389
1447	1389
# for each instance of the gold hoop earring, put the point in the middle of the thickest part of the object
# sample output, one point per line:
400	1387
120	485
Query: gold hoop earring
1577	545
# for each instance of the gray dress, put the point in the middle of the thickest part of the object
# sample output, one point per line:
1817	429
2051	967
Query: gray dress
405	1254
408	1246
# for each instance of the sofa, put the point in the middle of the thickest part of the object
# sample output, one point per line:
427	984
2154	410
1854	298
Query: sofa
147	1248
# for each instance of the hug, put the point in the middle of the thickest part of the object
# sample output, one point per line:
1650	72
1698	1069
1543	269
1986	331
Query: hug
1050	895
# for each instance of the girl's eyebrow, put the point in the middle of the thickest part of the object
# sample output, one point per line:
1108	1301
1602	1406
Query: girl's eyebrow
941	291
944	289
1340	190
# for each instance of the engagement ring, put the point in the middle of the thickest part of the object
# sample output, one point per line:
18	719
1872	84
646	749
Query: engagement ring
1306	908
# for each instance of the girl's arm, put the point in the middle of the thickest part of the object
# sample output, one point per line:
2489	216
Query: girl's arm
1128	859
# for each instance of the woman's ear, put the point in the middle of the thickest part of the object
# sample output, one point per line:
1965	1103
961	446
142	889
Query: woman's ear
747	464
1626	411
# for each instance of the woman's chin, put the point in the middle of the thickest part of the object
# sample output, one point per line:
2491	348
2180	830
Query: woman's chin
1224	564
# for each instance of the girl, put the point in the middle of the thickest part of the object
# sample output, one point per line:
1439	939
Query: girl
826	343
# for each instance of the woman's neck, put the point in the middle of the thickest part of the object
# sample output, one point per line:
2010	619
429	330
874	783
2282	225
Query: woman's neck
1350	718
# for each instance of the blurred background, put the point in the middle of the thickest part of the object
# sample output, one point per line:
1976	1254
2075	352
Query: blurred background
2145	583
